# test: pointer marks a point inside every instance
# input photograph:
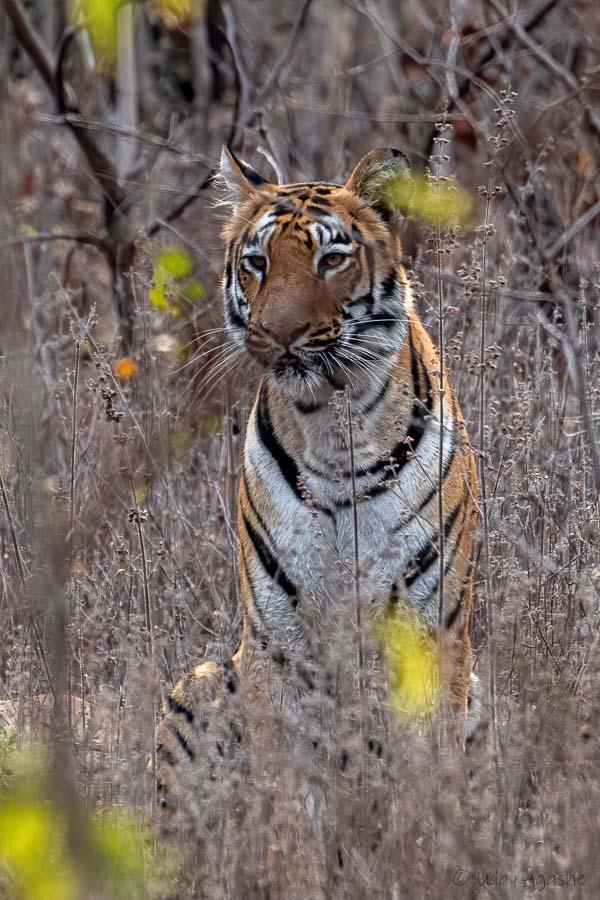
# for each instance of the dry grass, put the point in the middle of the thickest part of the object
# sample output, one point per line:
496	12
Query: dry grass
118	568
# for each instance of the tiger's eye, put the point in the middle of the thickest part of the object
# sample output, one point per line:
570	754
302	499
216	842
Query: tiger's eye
331	260
257	262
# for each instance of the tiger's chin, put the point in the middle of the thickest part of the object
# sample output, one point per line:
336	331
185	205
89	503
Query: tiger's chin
300	380
302	377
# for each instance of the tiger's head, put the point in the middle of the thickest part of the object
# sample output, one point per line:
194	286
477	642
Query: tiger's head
313	286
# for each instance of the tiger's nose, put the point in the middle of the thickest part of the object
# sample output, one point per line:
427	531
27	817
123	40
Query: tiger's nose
285	333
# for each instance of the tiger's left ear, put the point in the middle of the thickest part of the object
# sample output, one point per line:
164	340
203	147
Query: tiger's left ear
238	179
383	180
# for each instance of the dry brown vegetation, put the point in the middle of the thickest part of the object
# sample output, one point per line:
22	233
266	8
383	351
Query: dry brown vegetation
117	525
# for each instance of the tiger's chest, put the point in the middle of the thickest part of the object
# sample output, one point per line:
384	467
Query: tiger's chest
327	529
326	552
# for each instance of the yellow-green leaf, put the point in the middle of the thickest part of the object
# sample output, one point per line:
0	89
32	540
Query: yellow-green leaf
170	277
429	200
36	862
179	11
99	18
157	297
194	292
173	263
180	442
410	652
210	425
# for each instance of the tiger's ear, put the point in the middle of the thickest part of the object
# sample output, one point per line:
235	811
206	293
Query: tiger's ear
383	180
238	180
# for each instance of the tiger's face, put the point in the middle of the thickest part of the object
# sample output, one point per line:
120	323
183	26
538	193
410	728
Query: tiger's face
313	287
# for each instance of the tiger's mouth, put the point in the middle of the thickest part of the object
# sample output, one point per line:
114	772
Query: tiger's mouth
299	366
290	364
308	372
282	363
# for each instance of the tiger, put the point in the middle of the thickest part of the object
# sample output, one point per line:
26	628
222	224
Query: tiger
357	478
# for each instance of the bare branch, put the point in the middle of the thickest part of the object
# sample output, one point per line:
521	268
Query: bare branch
137	134
546	59
286	56
242	98
191	196
567	236
32	43
46	65
99	242
489	56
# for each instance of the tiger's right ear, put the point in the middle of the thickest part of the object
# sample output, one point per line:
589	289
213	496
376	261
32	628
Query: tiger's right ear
238	180
382	179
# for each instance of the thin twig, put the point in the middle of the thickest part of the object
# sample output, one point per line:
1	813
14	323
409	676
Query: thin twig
135	516
242	100
578	358
568	235
136	134
176	211
73	447
547	60
357	597
21	572
360	651
99	242
441	141
13	533
286	57
482	441
490	56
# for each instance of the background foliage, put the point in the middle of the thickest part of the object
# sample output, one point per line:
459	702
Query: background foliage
122	417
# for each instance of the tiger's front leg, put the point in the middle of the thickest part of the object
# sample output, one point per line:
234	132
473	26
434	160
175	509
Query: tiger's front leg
285	567
202	739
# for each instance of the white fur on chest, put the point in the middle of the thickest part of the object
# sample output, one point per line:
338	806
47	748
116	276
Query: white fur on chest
315	537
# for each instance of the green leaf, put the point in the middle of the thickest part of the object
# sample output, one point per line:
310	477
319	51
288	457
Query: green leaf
158	298
32	849
410	652
35	858
99	19
173	263
211	424
172	268
194	292
430	200
180	442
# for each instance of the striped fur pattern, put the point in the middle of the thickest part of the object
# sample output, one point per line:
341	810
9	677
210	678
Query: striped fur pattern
350	435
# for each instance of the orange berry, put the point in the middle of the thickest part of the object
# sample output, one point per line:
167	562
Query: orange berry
125	368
